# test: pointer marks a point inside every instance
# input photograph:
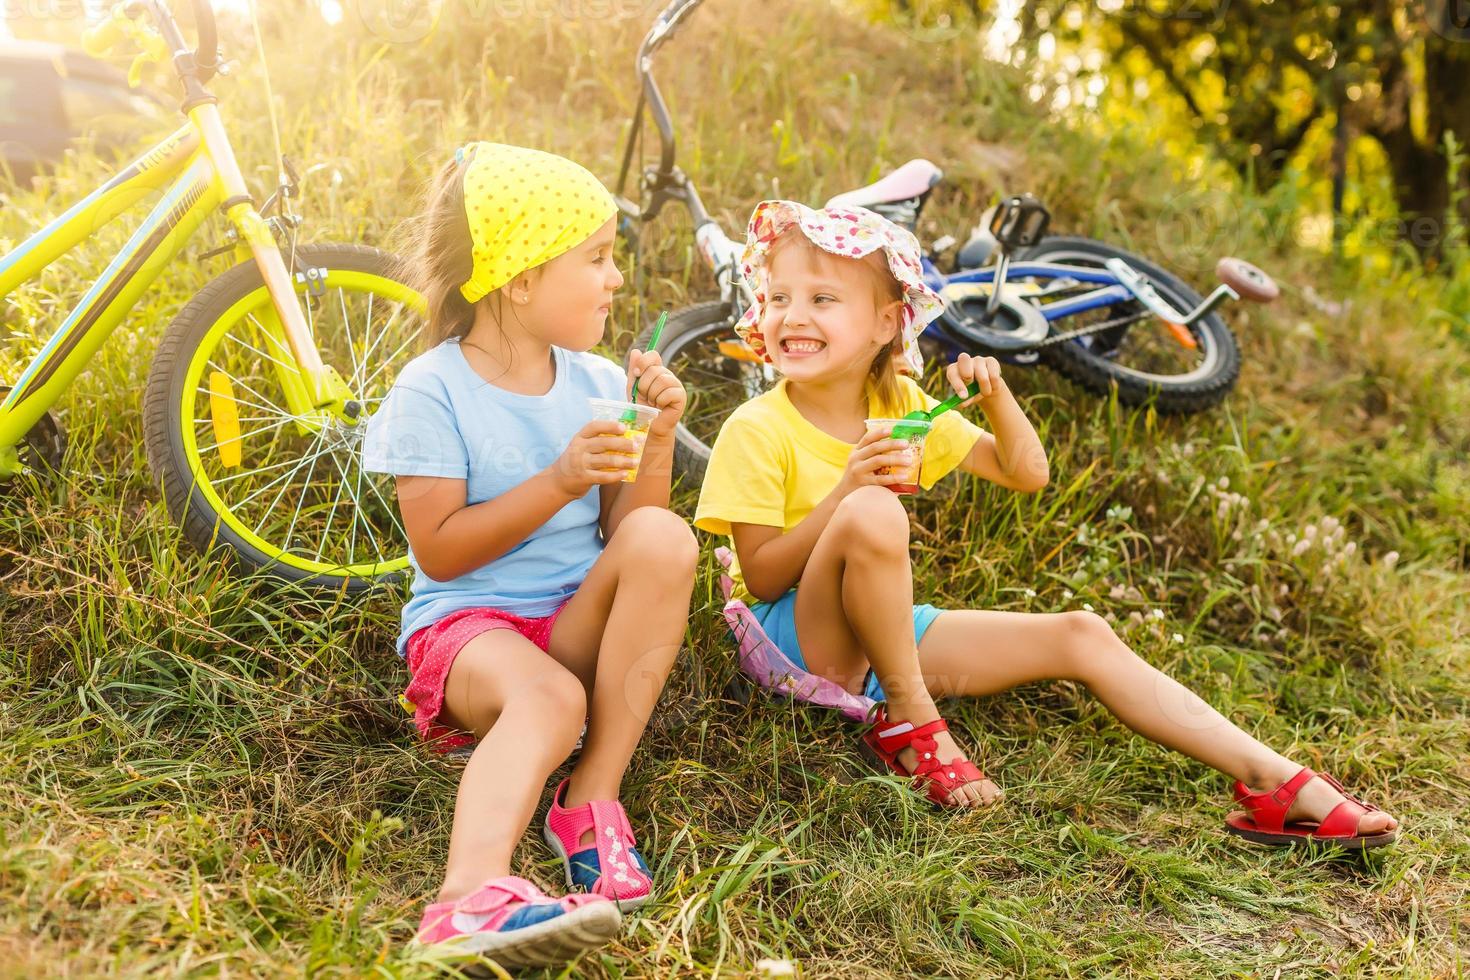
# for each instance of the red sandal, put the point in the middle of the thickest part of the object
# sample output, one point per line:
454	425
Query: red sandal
1264	819
885	740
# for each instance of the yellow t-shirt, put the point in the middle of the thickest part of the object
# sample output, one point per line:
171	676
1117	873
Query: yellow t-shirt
770	466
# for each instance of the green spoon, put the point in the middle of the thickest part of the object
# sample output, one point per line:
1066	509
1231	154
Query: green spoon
630	416
919	415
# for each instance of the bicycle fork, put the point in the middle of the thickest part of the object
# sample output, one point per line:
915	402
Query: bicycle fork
313	390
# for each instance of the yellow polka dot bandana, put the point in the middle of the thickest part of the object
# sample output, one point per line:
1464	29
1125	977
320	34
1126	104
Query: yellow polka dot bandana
525	207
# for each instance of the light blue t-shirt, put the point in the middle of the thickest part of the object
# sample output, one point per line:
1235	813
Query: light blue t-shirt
442	419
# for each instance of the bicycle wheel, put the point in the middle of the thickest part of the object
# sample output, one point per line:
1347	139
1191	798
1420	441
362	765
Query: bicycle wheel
239	471
1142	358
719	373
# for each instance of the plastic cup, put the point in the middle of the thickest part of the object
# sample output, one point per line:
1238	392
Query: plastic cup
635	420
912	432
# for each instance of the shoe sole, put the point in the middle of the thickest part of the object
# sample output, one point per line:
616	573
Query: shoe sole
1361	843
547	943
554	842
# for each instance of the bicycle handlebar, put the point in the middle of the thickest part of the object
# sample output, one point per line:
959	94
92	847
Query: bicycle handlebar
208	36
663	28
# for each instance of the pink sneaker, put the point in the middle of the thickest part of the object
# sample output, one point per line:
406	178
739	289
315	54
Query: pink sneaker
609	866
514	923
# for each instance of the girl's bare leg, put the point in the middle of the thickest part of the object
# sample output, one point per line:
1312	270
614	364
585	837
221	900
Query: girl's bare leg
974	652
526	710
854	607
620	634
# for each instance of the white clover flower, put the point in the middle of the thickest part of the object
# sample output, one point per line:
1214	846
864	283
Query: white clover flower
1156	614
1301	546
1066	593
1310	531
1223	482
1178	637
1391	559
1087	606
775	968
1031	593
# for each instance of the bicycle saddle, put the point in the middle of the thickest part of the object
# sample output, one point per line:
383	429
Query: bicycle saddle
913	179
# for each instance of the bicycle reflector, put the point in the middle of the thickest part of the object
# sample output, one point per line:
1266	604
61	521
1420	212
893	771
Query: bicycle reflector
1019	222
224	414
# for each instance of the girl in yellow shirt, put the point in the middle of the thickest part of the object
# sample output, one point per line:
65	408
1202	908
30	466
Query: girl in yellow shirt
803	484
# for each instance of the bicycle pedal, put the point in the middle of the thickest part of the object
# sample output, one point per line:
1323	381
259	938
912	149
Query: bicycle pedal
1019	222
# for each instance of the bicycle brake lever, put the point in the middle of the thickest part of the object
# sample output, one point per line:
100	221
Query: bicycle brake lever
293	181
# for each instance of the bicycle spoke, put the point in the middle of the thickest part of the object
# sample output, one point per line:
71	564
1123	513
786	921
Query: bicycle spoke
356	514
248	346
347	329
283	478
245	401
310	326
367	346
296	514
241	437
268	406
388	508
257	471
410	339
331	515
359	516
367	358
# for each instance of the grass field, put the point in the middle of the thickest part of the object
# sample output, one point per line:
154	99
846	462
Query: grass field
202	775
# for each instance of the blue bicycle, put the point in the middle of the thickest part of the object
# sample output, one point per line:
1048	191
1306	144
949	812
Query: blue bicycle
1102	316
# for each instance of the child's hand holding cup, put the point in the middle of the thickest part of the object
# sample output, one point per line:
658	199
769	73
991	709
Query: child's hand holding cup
635	420
913	432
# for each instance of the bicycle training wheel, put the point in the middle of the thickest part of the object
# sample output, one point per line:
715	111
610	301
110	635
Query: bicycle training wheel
239	471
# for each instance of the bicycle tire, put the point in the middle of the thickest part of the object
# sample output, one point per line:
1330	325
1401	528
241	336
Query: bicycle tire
193	492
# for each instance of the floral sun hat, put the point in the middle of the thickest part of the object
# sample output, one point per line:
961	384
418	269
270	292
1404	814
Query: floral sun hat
850	232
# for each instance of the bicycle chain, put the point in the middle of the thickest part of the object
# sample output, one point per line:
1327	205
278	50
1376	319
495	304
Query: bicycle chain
1090	329
1062	338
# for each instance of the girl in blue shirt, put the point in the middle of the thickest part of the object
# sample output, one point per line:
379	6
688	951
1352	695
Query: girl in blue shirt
546	588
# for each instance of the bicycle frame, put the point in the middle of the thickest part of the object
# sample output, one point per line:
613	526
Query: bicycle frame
197	165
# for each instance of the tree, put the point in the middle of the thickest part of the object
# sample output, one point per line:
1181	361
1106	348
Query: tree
1254	77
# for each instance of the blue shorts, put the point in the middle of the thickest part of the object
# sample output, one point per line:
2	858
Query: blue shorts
778	619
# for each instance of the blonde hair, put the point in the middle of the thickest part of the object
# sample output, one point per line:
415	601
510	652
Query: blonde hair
883	372
438	258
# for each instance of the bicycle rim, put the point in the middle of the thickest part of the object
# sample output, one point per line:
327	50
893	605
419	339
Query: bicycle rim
292	487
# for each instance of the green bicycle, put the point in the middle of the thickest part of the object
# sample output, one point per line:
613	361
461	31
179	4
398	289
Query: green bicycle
257	398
